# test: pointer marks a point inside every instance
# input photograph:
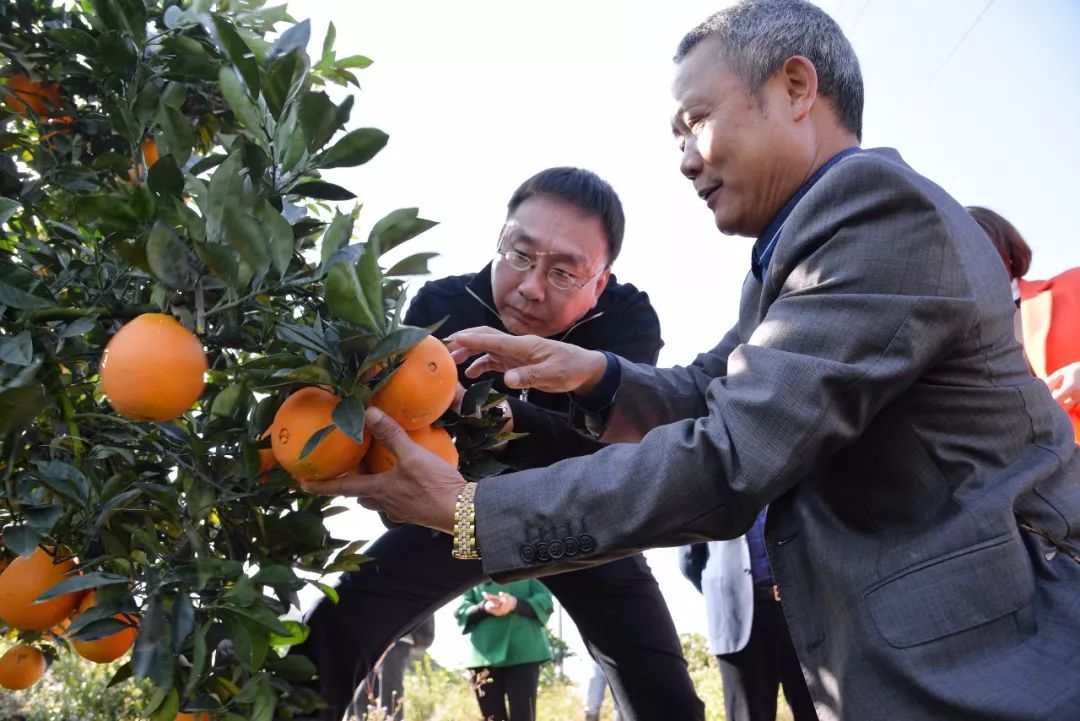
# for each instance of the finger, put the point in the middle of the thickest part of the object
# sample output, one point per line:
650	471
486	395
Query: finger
1055	380
388	432
484	364
353	484
519	347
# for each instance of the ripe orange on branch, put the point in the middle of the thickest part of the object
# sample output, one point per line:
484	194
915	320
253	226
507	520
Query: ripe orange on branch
27	578
422	387
300	417
437	440
21	667
42	99
152	369
110	648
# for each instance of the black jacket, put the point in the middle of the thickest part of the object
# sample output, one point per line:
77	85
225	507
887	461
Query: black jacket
623	322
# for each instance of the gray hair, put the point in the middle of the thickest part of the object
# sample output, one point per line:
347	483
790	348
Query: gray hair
757	36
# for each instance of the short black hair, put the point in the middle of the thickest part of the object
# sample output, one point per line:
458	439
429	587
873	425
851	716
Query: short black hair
1010	245
584	189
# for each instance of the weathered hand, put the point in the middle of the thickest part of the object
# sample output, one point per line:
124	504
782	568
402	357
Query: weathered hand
1065	386
422	488
528	361
509	601
496	605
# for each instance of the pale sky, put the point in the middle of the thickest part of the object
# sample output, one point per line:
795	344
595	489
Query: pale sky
477	95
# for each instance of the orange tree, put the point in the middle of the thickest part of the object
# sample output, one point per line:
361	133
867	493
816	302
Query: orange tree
165	157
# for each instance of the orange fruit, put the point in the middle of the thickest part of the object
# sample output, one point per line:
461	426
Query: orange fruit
21	667
27	578
422	387
37	97
200	716
110	648
150	152
437	440
152	369
301	415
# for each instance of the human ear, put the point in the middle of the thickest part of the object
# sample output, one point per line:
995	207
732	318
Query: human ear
801	84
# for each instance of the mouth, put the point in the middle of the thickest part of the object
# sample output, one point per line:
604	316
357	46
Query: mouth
707	192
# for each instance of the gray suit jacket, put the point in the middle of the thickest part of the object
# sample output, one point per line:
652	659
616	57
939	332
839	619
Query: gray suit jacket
874	395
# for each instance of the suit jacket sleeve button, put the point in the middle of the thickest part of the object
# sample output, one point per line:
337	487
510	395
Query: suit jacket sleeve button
586	543
556	549
570	545
528	553
542	553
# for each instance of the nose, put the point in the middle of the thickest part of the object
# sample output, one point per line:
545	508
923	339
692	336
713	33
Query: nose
533	284
690	163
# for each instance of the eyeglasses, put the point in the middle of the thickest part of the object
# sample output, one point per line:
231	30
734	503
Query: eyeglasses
521	261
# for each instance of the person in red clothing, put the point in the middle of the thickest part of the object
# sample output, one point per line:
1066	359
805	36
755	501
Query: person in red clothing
1048	315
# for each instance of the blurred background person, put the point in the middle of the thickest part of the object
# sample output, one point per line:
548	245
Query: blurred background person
505	624
1048	316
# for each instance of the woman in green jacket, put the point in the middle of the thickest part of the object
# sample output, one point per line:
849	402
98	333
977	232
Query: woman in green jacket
506	626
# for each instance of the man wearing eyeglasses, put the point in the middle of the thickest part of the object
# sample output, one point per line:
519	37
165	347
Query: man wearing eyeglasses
551	277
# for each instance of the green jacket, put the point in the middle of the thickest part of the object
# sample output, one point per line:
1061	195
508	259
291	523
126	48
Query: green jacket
512	639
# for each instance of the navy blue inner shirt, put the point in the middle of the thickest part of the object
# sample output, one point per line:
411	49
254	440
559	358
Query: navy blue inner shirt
599	400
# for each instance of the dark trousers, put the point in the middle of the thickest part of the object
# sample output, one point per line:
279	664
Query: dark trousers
507	693
753	675
617	608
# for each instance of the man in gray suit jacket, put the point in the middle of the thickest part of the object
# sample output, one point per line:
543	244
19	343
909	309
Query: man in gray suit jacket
923	488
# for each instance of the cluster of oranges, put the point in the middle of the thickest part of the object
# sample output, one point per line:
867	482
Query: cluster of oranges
153	368
21	583
419	391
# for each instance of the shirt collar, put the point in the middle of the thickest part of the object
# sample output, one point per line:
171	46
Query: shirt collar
766	243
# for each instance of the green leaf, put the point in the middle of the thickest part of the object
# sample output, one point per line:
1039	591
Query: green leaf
346	299
294	667
294	39
177	133
122	674
328	41
316	438
317	119
220	260
329	591
15	298
229	403
81	583
297	634
247	237
168	709
474	397
153	657
238	53
168	257
210	161
165	177
236	95
348	416
397	343
275	574
321	190
198	658
282	80
22	539
416	264
282	243
355	148
397	227
337	234
181	620
371	280
43	518
305	336
353	61
19	406
73	39
18	350
8	208
65	479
